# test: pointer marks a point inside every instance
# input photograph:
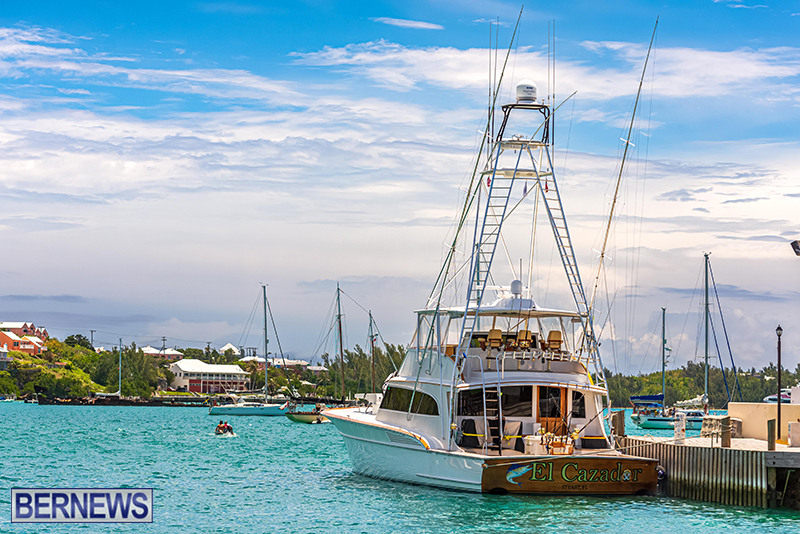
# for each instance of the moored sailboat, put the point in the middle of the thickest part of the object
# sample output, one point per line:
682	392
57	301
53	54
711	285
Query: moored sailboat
648	414
246	407
650	411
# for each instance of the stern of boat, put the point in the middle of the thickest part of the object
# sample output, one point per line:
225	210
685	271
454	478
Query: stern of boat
570	475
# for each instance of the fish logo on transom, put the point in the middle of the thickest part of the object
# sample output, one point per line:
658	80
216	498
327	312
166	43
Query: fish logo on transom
516	471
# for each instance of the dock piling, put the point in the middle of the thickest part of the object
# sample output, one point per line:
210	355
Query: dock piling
726	432
771	435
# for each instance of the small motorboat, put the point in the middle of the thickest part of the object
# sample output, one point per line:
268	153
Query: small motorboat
311	417
786	397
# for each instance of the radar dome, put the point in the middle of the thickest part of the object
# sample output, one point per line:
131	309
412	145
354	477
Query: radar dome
516	288
526	91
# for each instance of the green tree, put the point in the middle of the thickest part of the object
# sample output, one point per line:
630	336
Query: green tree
79	340
358	369
196	354
7	384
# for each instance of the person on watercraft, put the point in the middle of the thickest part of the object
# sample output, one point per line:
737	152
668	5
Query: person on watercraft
220	428
228	428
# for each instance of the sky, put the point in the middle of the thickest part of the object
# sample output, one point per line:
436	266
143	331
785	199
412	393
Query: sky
160	161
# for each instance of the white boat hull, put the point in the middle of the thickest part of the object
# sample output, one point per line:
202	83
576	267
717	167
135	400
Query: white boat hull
664	423
233	409
380	452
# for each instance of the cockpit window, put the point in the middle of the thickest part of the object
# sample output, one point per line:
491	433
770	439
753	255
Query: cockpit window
578	405
399	399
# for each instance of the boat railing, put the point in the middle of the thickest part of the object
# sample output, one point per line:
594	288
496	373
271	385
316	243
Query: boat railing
521	357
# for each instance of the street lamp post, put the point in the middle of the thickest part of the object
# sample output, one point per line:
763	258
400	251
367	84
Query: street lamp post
779	331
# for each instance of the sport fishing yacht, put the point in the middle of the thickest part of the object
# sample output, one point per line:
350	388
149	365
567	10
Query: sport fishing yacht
498	394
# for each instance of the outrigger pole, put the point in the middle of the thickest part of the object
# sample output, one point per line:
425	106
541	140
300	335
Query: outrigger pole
621	169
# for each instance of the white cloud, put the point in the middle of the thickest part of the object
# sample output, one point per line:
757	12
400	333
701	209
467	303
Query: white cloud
682	72
414	24
73	91
285	182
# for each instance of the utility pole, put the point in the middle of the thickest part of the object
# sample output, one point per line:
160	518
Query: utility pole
163	346
91	336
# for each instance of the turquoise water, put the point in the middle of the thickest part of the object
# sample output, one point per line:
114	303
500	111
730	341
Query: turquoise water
279	476
632	430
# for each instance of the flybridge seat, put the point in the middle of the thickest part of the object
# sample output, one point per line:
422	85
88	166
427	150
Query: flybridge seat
495	338
524	339
554	340
506	341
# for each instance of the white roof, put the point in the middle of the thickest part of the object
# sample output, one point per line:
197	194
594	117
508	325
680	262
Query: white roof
13	336
317	368
258	359
35	340
189	365
167	352
277	362
13	325
229	346
507	307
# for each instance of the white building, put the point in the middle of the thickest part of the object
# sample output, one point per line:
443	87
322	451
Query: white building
287	363
169	354
230	347
317	369
4	358
201	377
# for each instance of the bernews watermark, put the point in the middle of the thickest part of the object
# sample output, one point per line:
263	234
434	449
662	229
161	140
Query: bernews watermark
81	505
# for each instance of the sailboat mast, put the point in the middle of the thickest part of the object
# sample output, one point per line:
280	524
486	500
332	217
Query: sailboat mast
705	391
372	350
119	373
266	345
341	344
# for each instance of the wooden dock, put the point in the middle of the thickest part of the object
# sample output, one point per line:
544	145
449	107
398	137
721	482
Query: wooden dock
744	474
